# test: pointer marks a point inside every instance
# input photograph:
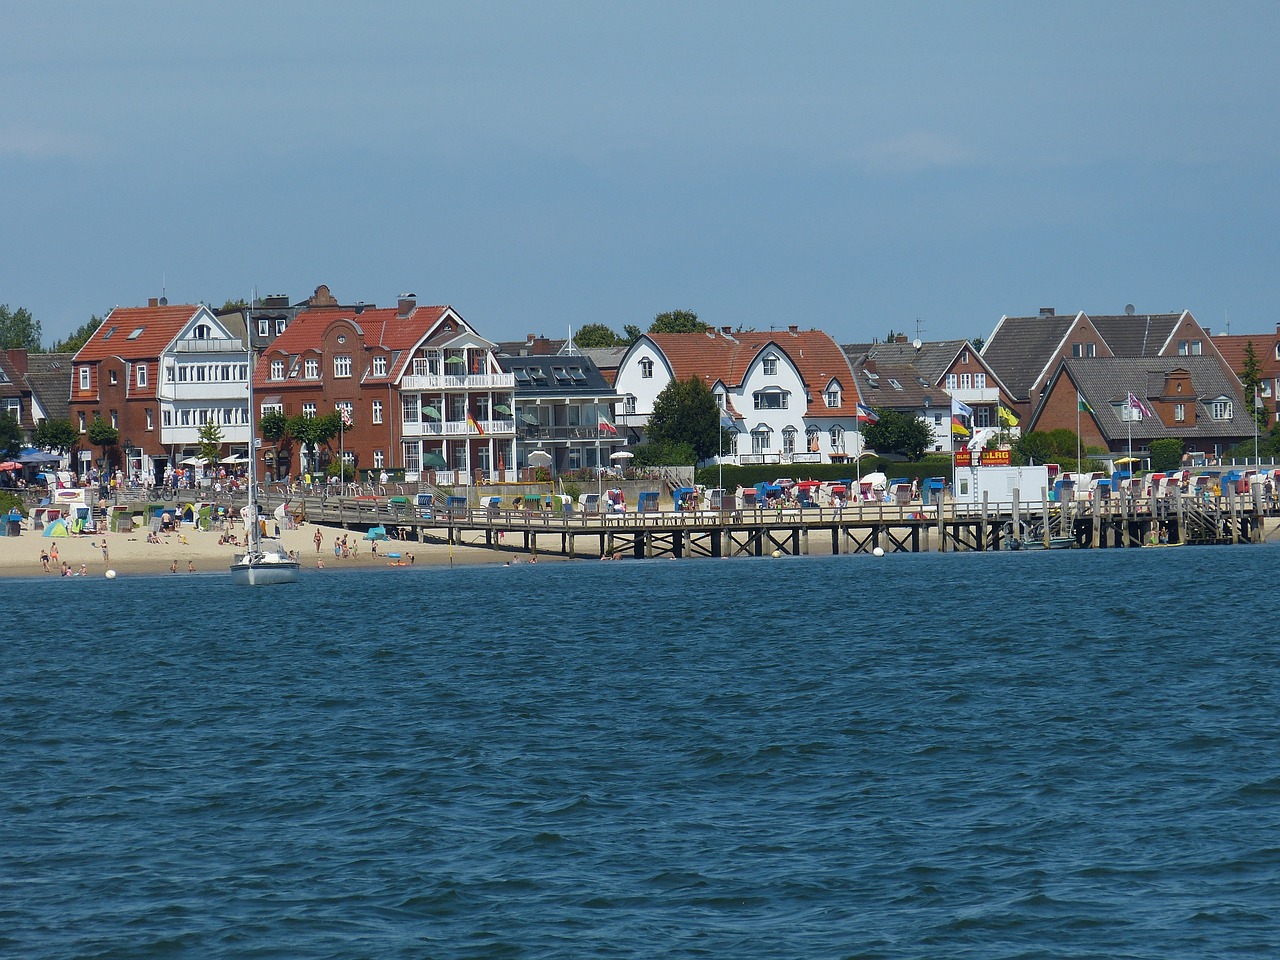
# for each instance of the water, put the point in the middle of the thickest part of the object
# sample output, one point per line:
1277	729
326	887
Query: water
1069	754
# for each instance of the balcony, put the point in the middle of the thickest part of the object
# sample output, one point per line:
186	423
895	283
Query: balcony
457	428
228	392
582	432
211	346
976	395
470	382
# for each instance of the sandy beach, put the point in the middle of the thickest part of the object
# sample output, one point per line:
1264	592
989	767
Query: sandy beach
130	553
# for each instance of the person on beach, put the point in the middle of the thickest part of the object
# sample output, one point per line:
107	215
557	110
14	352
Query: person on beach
53	554
44	559
173	568
84	570
105	554
66	569
319	538
191	566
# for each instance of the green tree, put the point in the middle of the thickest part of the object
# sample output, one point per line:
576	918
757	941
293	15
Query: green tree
685	412
591	335
900	433
78	338
274	427
18	329
977	343
678	321
312	433
57	435
1045	446
209	440
102	434
232	305
631	333
1251	377
664	455
10	436
1166	454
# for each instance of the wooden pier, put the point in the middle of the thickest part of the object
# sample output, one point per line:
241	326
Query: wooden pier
1119	521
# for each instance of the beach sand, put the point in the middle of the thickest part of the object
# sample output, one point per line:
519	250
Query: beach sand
129	553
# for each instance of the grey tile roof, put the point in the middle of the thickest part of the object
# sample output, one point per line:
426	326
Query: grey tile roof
1020	347
1141	335
931	361
1107	381
556	376
49	376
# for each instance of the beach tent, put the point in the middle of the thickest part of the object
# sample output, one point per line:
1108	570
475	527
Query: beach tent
57	528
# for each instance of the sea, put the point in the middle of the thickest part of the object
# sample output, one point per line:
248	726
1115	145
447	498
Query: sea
1018	755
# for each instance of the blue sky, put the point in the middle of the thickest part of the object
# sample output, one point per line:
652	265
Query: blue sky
856	167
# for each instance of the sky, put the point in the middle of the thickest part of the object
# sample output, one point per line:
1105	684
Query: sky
856	167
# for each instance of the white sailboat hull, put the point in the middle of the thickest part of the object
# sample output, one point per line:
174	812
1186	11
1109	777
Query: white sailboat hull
263	569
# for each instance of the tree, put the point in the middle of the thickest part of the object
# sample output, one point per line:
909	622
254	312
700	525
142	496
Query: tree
233	305
102	434
977	343
664	455
10	436
209	440
18	329
78	338
313	433
1166	454
1045	446
591	335
686	412
678	321
899	433
274	426
57	435
631	333
1251	377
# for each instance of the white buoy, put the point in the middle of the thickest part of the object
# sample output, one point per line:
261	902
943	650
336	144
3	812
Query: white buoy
777	554
111	574
878	552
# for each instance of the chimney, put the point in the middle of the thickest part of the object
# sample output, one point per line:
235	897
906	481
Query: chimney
153	302
728	331
408	303
1046	311
793	329
900	338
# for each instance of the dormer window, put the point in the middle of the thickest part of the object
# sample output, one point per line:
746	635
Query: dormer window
771	399
142	374
379	366
84	378
264	327
280	323
833	396
201	332
1222	409
311	369
277	369
646	369
769	367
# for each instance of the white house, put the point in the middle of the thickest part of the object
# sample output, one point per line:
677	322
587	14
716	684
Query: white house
791	395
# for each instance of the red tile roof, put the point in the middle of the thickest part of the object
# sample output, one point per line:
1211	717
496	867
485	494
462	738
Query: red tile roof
716	356
381	327
159	326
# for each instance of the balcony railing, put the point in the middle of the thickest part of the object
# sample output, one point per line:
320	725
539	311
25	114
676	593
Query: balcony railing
210	346
451	381
457	428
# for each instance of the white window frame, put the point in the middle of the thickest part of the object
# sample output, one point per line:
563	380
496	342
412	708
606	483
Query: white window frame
342	365
379	366
646	369
142	375
84	378
311	368
761	399
376	412
769	366
277	369
309	409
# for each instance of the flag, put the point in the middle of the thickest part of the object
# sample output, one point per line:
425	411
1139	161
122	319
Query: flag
1082	404
1006	416
471	422
1136	404
1257	399
346	415
866	414
958	428
606	426
960	409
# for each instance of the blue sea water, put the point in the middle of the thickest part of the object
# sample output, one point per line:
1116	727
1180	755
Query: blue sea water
1069	754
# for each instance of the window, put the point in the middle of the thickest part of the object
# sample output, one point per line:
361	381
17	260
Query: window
115	420
135	333
770	366
81	419
151	419
980	381
280	323
13	406
789	440
84	378
760	439
264	327
311	369
166	417
964	356
630	405
342	365
771	399
833	397
379	460
277	369
308	409
377	411
379	366
966	381
722	400
142	374
412	452
1179	412
185	418
953	382
347	407
409	409
981	417
1195	348
112	377
201	332
897	386
1090	349
837	439
646	369
1222	410
110	331
1077	350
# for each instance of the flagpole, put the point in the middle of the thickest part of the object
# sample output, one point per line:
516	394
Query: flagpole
1079	468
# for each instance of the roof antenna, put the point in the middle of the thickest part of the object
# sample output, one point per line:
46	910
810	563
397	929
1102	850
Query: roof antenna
164	299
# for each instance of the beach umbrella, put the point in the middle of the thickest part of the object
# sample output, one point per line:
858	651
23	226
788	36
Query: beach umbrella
540	458
875	479
10	465
433	461
622	455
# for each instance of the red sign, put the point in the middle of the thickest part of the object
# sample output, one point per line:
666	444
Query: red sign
995	458
964	458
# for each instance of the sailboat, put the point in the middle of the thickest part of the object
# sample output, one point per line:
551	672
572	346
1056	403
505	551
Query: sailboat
265	561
